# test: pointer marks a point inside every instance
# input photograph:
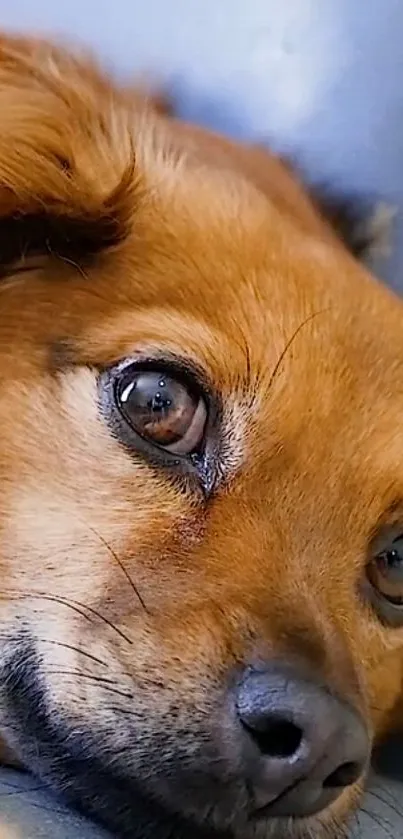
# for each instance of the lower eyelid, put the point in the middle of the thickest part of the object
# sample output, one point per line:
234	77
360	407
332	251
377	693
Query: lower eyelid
388	614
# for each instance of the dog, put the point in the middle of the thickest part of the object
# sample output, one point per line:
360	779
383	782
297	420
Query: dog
201	466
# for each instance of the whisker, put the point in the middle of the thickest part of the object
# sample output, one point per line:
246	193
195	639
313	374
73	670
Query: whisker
75	605
53	598
381	822
389	801
21	791
105	684
79	673
357	824
71	262
15	786
291	341
114	555
114	709
74	649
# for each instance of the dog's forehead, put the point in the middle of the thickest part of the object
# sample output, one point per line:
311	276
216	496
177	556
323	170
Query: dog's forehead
212	270
225	274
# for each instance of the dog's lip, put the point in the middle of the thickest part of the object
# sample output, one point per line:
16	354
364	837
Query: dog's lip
263	811
274	807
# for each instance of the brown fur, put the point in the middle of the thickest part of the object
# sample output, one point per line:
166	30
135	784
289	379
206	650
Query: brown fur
129	596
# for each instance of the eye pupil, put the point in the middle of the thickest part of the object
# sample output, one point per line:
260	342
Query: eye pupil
390	563
393	557
158	403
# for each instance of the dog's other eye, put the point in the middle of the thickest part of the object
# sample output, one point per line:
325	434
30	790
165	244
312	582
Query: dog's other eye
162	409
385	571
385	574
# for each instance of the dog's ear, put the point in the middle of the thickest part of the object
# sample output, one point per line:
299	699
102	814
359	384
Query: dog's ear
364	225
67	169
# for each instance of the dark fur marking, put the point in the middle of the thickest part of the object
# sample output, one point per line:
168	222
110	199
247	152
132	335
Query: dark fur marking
77	239
62	355
65	759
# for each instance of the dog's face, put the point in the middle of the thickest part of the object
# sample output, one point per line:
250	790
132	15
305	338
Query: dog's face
201	475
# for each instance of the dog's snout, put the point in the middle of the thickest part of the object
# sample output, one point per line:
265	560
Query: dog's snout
303	745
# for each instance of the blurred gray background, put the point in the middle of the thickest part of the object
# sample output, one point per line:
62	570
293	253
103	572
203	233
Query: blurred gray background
319	78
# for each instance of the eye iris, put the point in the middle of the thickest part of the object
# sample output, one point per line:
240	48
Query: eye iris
158	407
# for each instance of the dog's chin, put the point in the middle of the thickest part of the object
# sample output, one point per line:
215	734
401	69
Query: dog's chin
90	773
76	771
148	822
132	816
146	818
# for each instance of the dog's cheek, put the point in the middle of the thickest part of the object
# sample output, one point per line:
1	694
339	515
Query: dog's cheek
75	507
385	683
157	716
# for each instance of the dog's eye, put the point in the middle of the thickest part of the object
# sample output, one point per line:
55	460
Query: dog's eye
385	574
162	409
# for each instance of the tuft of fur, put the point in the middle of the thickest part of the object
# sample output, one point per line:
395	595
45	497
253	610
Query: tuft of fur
79	200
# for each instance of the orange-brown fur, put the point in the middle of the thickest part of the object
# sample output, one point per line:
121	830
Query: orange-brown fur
153	236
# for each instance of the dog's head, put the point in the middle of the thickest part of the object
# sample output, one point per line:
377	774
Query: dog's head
201	464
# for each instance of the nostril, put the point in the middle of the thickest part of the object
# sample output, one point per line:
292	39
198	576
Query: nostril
279	738
343	776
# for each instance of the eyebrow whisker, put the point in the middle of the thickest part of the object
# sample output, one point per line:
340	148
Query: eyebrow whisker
291	341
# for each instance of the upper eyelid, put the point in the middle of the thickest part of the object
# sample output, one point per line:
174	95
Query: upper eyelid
391	516
175	366
388	528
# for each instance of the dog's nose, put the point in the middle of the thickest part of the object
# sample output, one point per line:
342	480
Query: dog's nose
303	747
